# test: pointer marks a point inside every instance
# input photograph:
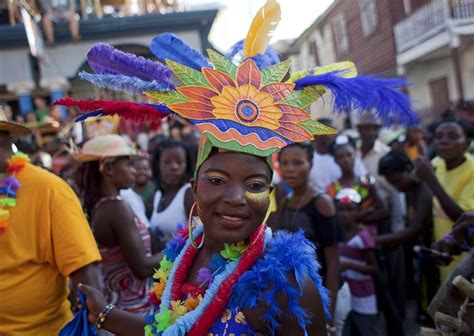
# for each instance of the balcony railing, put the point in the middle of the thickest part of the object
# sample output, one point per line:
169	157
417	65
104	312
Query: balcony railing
430	20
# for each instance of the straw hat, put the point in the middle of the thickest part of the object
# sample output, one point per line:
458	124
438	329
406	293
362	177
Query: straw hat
104	146
14	129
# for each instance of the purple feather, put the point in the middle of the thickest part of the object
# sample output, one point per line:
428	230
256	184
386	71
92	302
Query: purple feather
365	92
11	183
204	275
169	46
106	60
123	83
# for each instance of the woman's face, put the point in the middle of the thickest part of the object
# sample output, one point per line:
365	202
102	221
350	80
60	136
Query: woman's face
143	171
450	141
295	166
172	166
232	195
344	157
122	173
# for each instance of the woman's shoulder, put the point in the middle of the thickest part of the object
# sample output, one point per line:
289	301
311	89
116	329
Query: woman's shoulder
287	264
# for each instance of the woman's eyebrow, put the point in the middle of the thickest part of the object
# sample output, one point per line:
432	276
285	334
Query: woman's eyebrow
215	170
258	175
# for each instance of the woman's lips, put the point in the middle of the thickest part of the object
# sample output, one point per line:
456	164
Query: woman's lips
232	222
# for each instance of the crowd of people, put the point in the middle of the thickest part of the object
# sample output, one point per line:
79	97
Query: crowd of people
232	212
344	193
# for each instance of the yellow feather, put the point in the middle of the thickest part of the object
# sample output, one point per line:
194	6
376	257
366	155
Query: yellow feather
262	28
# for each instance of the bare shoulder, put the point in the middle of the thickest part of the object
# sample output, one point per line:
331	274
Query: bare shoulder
325	205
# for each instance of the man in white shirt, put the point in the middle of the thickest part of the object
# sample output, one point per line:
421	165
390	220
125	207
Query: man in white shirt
372	150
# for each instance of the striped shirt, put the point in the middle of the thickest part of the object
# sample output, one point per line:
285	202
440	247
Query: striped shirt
361	285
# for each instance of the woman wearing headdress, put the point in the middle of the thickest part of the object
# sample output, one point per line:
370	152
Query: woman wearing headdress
227	273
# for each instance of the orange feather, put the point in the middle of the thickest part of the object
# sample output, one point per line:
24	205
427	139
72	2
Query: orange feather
261	30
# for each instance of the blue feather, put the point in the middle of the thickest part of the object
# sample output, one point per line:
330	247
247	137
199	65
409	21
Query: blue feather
366	92
106	60
169	46
84	116
287	255
269	58
123	83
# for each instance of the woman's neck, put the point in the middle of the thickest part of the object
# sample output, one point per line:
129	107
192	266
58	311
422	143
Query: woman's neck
139	188
454	163
108	189
300	191
347	176
211	246
170	189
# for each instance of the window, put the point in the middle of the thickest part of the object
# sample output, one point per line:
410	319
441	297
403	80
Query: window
340	34
368	16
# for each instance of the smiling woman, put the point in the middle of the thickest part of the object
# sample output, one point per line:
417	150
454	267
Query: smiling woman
227	273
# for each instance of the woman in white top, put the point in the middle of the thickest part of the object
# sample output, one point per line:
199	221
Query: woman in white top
174	198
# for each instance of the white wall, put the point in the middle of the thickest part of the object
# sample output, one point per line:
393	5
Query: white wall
422	73
467	67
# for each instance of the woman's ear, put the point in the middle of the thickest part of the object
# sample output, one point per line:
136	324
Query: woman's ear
194	185
107	168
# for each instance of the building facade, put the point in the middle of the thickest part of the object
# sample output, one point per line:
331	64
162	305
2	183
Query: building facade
435	50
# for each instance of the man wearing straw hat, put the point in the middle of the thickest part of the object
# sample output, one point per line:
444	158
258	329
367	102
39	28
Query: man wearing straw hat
44	240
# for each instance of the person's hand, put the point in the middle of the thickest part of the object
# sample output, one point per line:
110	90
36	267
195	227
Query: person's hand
423	168
464	221
443	246
95	301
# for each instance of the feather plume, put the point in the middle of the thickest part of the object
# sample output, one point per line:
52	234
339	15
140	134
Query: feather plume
123	83
264	60
91	114
261	30
152	113
106	60
366	92
169	46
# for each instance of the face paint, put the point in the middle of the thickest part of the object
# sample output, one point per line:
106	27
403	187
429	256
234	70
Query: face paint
260	197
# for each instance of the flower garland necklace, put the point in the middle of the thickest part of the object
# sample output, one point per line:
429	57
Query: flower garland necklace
197	312
9	187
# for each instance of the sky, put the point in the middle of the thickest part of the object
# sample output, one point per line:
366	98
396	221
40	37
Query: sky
235	16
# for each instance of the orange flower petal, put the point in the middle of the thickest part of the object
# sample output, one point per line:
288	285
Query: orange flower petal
217	79
279	91
292	113
293	132
197	93
263	99
193	110
248	73
248	92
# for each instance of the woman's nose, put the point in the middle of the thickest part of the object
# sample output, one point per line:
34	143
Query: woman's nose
235	196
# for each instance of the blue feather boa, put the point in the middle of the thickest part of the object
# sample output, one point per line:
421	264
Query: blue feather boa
287	255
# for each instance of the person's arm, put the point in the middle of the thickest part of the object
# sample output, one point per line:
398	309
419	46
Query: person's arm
421	221
87	275
118	321
370	266
325	206
311	303
130	241
425	172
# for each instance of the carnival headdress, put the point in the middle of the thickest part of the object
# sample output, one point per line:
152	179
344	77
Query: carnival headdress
240	102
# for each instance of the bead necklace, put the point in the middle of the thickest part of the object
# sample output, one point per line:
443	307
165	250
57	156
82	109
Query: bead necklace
9	187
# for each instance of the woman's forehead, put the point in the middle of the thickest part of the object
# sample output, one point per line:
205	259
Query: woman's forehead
236	164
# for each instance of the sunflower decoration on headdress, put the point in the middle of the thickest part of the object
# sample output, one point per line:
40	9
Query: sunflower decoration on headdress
239	102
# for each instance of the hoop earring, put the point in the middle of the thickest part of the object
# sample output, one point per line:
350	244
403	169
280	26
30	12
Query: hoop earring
190	228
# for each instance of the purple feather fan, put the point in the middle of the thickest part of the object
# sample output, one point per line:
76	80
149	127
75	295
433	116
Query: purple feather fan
106	60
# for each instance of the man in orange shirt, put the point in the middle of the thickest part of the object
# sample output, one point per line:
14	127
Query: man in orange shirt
44	240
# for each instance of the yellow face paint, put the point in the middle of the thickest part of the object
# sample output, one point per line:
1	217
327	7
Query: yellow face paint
257	197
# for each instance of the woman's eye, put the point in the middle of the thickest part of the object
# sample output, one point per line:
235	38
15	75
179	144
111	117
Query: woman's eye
215	180
257	186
